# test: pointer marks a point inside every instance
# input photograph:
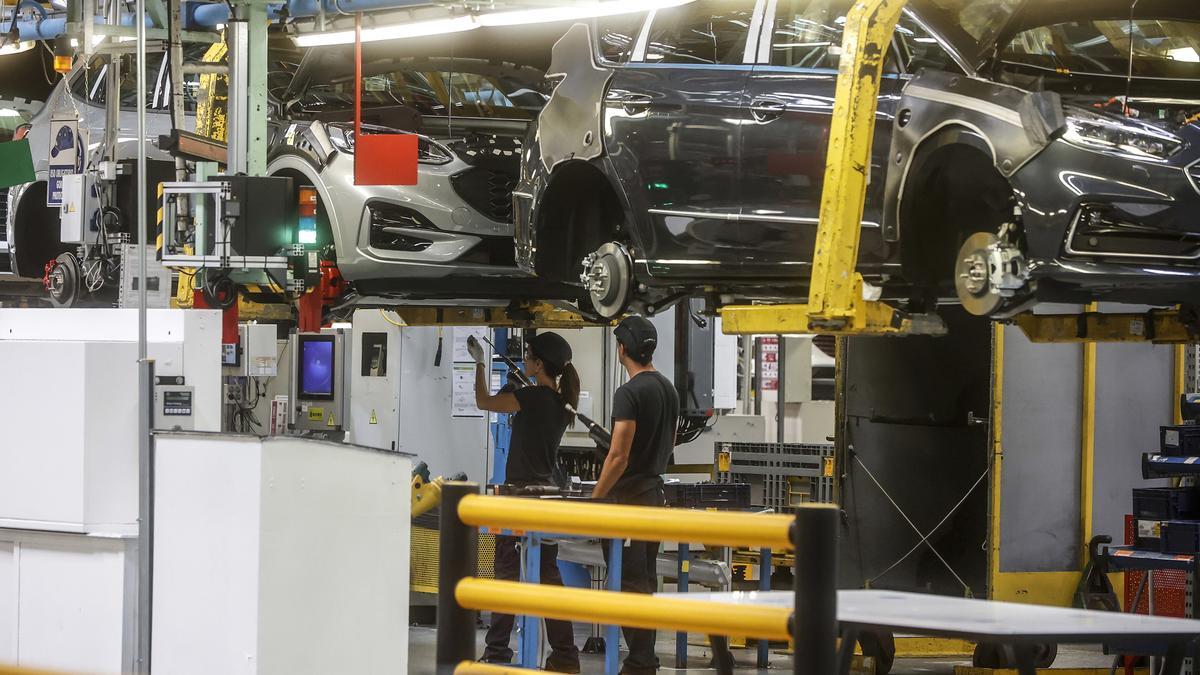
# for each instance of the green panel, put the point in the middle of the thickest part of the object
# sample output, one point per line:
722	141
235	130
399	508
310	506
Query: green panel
16	163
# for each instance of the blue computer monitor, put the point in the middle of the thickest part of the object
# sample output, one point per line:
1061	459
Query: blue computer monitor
317	367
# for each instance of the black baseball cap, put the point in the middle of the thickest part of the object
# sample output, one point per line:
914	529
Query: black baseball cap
551	349
638	335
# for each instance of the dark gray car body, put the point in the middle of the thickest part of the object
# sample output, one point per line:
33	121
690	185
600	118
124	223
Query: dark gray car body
718	171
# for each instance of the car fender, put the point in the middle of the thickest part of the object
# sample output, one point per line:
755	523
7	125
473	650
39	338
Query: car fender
570	125
1015	125
15	194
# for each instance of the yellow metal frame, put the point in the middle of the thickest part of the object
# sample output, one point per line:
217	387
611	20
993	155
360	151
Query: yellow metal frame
1160	326
835	302
642	523
634	610
1087	462
531	315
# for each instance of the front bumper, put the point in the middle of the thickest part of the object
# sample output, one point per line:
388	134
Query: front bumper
1112	227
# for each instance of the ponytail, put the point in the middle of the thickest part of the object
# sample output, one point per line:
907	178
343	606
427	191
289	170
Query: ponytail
568	391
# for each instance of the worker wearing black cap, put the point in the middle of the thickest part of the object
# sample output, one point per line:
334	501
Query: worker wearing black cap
645	416
538	425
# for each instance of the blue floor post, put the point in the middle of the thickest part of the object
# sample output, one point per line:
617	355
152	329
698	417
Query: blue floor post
681	638
612	634
531	636
764	584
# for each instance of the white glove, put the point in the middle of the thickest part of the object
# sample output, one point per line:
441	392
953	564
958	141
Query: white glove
475	350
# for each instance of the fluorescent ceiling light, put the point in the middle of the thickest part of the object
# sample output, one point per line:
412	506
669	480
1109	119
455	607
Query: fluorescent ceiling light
394	32
9	112
566	12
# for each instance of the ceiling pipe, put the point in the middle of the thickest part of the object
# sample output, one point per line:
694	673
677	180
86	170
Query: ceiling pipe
210	14
56	26
202	15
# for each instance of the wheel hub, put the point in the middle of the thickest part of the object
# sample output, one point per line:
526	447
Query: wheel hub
608	277
990	274
63	280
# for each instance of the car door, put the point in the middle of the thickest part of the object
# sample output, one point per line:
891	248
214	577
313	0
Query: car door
789	103
671	115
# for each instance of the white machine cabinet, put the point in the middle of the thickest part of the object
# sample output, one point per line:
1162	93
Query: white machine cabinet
68	462
279	556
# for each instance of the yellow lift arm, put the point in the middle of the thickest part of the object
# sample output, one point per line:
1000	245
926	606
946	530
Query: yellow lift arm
835	301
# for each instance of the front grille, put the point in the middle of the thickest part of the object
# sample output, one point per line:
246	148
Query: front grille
488	190
1102	230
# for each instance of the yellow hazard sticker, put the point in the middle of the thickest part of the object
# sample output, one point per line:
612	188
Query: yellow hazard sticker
374	419
316	414
685	566
827	470
329	422
724	461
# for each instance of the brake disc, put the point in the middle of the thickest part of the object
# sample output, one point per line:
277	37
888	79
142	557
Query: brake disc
989	274
64	281
608	278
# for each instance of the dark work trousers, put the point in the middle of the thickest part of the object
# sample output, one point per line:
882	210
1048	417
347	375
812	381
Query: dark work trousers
564	654
639	574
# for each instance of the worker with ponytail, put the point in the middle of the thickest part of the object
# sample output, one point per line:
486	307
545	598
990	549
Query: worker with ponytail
540	419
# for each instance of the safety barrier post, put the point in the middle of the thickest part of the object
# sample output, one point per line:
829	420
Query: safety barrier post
814	619
457	557
765	569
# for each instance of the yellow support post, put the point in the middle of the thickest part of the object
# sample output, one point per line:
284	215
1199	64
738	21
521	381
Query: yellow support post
835	302
634	610
836	289
642	523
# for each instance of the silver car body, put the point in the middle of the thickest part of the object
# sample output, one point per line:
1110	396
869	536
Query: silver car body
459	227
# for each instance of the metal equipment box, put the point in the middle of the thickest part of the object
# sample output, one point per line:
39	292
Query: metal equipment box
263	211
1182	440
1166	503
1181	536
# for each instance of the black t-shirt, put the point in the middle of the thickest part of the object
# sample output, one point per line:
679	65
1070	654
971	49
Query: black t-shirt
650	400
537	429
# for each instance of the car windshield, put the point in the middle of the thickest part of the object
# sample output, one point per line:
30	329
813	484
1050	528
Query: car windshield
980	20
1090	61
1159	48
430	93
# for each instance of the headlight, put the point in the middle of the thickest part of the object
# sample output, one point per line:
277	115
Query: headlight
1137	140
429	151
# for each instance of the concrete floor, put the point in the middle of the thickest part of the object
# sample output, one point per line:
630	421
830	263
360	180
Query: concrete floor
422	640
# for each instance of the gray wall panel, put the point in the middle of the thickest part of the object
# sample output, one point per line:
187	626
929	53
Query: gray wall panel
1134	396
1040	492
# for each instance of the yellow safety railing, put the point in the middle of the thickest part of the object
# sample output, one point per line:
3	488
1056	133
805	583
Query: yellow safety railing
642	523
812	531
626	609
